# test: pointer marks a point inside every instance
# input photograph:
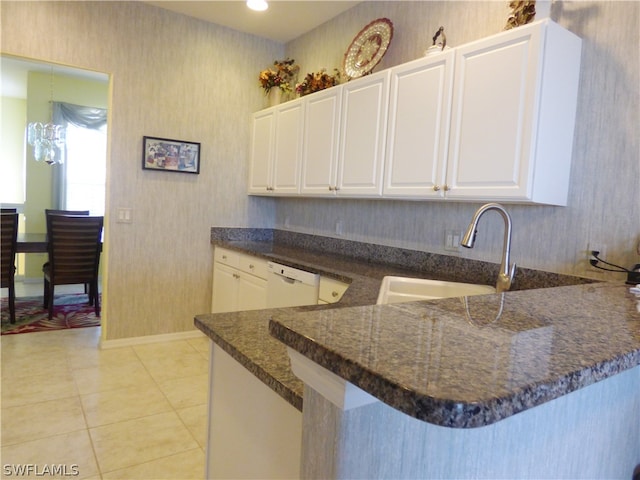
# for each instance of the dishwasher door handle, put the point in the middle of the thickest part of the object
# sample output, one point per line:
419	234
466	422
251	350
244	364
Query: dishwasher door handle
286	279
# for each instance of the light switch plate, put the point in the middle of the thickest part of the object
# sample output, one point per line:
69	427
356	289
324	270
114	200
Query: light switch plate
125	215
452	240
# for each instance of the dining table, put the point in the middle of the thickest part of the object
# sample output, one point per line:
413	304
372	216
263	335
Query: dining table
31	243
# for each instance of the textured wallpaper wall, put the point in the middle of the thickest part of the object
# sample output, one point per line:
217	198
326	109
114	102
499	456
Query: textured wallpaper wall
604	199
172	77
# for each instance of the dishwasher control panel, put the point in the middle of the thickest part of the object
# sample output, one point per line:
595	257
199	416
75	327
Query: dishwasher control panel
294	273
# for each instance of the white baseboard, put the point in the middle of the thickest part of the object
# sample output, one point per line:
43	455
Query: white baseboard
164	337
30	280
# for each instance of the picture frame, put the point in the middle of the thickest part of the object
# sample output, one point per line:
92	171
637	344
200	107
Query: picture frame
170	155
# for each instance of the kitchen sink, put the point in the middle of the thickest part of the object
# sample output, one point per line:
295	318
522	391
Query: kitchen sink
406	289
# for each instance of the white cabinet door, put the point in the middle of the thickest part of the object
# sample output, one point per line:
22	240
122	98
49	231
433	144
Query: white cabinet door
320	145
262	141
239	282
288	148
276	150
362	136
252	293
225	289
501	147
419	119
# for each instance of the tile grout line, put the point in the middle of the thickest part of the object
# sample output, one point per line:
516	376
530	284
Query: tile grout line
84	414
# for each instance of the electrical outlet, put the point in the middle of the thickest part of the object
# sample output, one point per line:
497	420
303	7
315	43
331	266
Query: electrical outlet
452	240
602	253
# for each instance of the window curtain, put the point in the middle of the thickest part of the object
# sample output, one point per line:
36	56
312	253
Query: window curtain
81	116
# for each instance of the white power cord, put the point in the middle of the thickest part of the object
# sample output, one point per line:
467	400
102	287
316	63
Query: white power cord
636	291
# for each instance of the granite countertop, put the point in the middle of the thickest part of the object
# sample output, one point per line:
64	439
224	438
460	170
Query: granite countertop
442	361
454	364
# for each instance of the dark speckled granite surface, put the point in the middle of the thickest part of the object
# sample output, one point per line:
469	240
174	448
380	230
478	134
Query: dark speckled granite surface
453	364
442	361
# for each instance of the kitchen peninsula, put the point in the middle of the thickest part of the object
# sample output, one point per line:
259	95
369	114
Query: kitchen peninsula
539	382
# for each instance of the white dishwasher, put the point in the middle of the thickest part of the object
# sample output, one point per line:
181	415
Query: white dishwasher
290	287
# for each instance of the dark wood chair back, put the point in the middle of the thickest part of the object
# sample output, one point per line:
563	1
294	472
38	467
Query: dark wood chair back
75	243
49	211
8	240
8	210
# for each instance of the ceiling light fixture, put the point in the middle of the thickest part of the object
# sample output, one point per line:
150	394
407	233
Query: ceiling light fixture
257	5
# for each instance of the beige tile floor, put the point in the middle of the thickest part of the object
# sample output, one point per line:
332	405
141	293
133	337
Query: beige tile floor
135	412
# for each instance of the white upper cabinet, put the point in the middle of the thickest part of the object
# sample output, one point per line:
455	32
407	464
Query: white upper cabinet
492	120
513	116
262	140
320	145
363	135
345	133
276	150
418	132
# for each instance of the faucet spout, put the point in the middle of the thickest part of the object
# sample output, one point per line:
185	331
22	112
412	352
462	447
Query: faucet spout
507	270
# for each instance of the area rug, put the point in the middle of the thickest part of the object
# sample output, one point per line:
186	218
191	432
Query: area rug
69	311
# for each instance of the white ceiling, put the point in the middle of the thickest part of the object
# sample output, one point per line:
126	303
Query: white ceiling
284	20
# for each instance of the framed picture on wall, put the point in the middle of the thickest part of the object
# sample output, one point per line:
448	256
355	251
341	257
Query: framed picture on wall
170	155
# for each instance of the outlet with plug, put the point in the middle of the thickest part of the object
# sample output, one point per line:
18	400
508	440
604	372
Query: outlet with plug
593	250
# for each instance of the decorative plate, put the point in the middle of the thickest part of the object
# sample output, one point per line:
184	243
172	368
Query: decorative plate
368	47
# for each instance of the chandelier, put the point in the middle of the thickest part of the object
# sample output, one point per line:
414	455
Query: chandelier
46	138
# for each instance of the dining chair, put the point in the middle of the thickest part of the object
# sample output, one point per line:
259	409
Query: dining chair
8	210
74	244
8	240
51	211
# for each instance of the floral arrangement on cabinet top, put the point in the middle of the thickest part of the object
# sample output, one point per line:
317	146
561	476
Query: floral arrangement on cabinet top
282	75
282	79
314	82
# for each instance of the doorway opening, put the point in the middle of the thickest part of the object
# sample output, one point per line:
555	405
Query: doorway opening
28	86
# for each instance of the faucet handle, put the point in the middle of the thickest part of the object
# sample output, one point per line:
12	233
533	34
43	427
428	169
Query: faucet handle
503	284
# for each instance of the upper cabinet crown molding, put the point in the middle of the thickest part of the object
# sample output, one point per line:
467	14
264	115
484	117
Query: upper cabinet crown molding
491	120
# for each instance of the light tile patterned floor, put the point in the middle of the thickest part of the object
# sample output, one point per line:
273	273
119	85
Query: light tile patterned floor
130	413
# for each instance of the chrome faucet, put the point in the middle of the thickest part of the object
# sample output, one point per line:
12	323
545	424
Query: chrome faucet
507	270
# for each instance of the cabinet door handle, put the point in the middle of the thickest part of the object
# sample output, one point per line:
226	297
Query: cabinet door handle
224	257
436	188
334	294
446	188
331	189
251	266
235	275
